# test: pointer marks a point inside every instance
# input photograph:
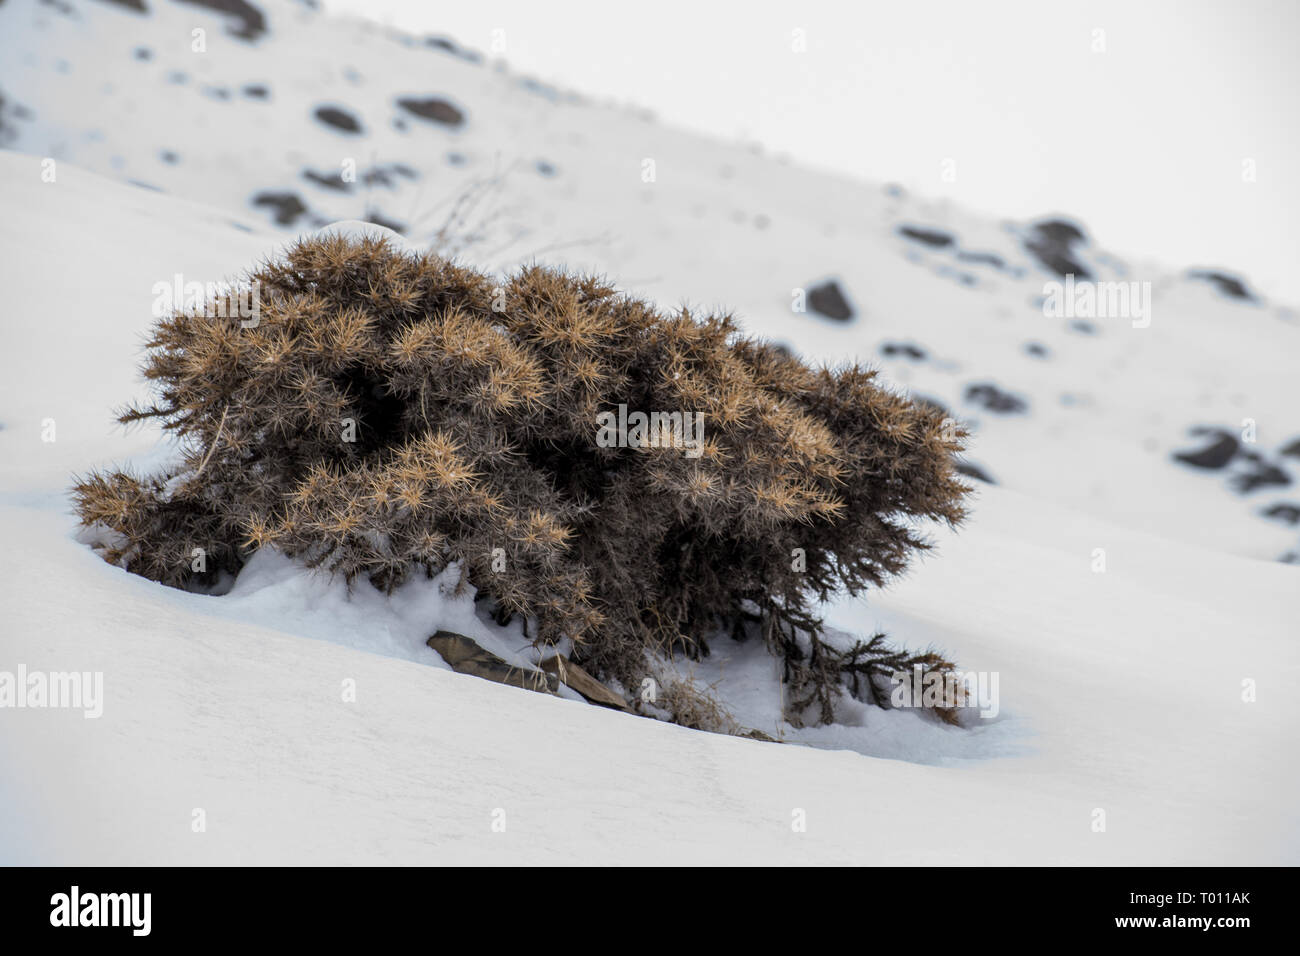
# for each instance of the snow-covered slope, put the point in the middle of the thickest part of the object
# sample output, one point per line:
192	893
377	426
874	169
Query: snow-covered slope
1088	412
1120	690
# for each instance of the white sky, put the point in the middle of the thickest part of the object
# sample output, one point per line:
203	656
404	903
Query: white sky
1144	142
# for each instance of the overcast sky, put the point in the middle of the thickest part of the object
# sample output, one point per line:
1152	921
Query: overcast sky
1138	118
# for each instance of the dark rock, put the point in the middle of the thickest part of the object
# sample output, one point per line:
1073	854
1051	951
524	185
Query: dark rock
544	168
247	22
973	471
450	46
288	208
334	181
136	5
1215	455
1052	243
1037	349
903	350
1060	231
339	118
1228	285
930	237
432	108
10	110
379	220
1263	476
1284	511
991	398
382	175
1291	449
827	299
256	91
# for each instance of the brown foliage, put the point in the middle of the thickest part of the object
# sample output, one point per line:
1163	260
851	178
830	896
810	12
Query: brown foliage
475	411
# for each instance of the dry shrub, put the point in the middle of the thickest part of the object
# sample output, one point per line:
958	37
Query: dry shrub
689	705
393	413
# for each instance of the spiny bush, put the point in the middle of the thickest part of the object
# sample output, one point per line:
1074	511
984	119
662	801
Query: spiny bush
393	413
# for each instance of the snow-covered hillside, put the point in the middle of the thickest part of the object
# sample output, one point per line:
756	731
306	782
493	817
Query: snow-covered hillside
131	158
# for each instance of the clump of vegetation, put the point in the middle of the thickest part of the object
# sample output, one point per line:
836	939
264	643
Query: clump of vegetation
389	414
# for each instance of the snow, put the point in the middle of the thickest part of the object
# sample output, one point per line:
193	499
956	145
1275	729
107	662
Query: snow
1119	690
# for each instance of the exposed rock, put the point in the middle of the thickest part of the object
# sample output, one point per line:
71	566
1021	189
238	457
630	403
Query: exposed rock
1052	242
1217	454
450	46
432	108
973	471
339	118
288	207
991	398
378	220
467	657
575	677
934	238
334	181
1284	511
244	20
1228	285
903	350
827	299
1262	475
382	175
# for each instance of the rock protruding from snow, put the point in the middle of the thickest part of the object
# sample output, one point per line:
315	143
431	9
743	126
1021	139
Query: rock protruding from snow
828	299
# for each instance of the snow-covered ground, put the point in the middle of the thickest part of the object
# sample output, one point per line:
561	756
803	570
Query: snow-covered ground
1121	670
